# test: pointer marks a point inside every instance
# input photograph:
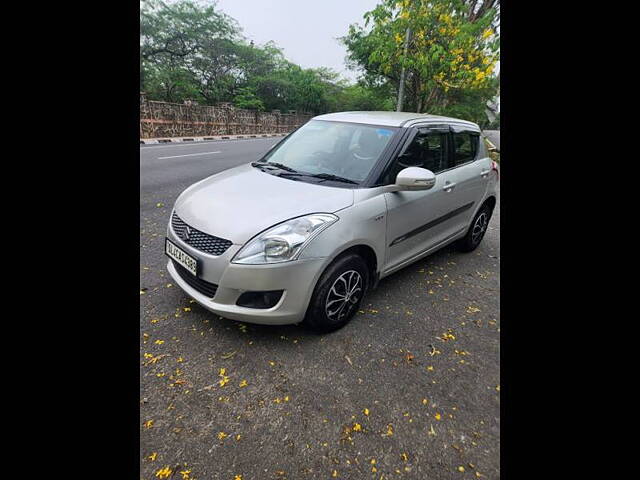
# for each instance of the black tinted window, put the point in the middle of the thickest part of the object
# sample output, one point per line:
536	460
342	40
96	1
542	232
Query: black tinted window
465	147
427	150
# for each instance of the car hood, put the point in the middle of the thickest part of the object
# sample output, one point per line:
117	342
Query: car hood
241	202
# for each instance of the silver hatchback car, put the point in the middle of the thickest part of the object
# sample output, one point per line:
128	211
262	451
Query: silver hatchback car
303	233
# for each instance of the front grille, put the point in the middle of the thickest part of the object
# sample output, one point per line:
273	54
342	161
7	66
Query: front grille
197	239
202	286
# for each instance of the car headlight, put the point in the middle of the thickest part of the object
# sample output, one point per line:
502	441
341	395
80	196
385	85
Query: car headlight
285	241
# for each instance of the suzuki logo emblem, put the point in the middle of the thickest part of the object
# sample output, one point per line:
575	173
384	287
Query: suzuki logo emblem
186	234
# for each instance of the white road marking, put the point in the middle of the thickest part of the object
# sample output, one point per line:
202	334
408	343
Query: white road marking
188	155
153	146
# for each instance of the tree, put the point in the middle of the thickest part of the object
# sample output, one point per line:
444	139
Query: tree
452	52
192	51
193	43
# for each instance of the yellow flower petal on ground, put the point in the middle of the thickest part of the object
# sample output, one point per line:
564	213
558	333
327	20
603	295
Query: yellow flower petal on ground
222	435
357	427
366	411
164	472
153	456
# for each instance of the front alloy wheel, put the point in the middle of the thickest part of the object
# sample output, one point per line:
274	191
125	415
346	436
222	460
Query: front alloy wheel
344	295
338	294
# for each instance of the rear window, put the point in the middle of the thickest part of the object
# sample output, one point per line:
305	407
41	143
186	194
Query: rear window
465	147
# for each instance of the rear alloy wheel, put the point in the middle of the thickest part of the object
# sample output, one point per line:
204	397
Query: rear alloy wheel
476	231
338	294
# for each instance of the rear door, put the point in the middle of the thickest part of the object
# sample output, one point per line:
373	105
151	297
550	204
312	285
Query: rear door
470	171
420	220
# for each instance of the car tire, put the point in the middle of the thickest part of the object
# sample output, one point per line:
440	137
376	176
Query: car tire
476	231
338	294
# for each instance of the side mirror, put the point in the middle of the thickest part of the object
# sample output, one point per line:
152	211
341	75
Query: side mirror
414	178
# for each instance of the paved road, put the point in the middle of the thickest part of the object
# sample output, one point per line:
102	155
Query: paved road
409	389
493	136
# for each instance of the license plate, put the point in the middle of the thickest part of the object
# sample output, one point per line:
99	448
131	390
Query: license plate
182	257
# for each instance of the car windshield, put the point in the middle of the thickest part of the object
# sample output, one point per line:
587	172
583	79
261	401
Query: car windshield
330	151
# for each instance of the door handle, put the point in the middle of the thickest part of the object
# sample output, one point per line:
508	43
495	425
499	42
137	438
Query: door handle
448	187
484	173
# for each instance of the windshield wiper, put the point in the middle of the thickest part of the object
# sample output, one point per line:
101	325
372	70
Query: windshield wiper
273	164
329	176
322	176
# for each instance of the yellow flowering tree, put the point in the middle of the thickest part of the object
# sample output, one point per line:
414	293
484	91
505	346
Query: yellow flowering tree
452	51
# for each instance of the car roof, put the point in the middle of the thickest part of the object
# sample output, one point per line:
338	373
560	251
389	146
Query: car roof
391	119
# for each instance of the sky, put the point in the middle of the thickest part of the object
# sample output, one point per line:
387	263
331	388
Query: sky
306	30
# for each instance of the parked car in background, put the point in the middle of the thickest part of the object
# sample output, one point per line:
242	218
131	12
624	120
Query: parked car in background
303	233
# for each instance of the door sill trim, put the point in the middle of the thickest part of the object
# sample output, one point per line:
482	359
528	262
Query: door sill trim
424	253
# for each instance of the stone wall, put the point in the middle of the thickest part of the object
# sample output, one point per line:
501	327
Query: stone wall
164	120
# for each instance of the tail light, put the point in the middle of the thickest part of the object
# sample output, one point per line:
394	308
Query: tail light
494	166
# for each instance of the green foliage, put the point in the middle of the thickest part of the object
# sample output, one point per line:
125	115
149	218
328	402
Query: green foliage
192	51
452	52
247	98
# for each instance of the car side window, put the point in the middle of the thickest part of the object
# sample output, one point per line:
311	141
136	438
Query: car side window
465	147
426	150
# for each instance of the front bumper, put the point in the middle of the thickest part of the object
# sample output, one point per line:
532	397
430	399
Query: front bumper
296	278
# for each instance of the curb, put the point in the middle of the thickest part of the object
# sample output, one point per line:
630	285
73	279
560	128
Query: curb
152	141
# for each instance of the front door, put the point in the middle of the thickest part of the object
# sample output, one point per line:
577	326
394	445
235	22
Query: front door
420	220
